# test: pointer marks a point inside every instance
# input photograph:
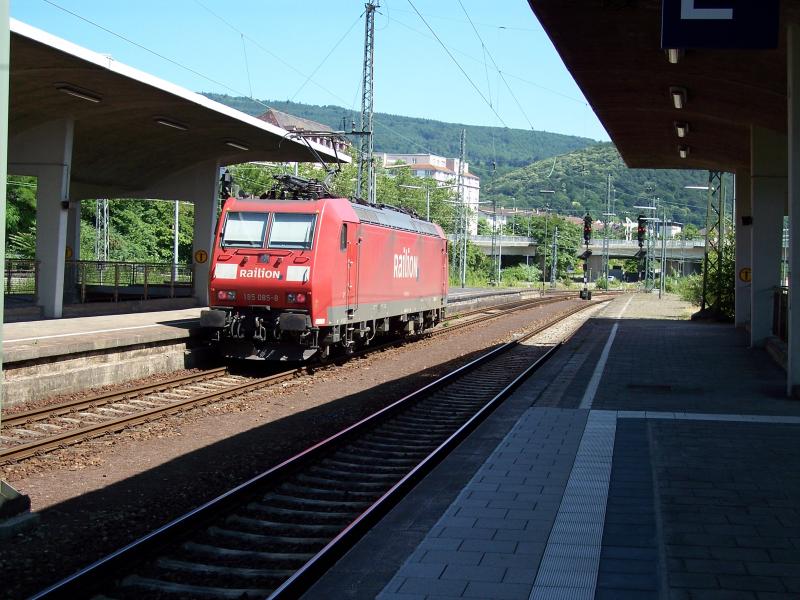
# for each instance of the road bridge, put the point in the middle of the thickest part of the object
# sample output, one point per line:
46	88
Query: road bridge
516	245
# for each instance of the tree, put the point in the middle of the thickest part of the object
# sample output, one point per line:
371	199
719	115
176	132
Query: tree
21	217
689	232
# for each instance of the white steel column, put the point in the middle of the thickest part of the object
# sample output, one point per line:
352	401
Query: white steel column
769	189
742	229
793	88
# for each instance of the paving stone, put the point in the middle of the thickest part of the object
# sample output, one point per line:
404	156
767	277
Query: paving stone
751	582
497	591
693	580
715	566
474	573
423	585
452	557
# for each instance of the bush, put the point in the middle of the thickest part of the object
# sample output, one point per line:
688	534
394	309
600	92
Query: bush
689	288
601	284
521	274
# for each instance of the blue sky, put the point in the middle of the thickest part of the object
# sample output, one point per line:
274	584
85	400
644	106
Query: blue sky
269	48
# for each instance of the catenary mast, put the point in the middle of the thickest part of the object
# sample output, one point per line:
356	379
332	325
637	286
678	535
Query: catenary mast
365	183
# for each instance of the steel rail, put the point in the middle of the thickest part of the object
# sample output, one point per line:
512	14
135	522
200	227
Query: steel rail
91	431
107	568
73	436
54	410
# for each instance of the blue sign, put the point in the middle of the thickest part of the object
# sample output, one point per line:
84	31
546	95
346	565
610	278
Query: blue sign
719	23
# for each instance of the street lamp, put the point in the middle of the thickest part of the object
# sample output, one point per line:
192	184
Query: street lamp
427	189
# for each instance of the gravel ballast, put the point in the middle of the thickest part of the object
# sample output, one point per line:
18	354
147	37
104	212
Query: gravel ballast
96	496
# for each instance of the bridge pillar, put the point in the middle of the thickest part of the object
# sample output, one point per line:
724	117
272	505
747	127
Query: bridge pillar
768	195
742	228
46	153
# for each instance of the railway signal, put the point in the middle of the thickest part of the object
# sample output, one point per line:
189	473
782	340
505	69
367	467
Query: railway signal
587	229
226	185
587	236
641	230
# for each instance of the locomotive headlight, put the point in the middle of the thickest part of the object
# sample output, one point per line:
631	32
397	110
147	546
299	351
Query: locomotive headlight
225	295
290	297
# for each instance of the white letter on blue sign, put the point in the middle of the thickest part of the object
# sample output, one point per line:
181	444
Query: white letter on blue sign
688	11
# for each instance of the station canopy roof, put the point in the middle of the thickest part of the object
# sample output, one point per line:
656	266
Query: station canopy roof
613	50
131	128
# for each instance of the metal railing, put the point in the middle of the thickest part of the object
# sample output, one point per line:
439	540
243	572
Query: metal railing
127	280
697	243
86	280
780	311
21	277
505	239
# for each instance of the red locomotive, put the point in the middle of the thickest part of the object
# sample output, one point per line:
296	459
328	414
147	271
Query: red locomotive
299	272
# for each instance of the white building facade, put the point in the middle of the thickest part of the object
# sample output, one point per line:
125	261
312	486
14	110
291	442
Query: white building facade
444	171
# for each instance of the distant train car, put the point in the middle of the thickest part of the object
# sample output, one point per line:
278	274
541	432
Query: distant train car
299	273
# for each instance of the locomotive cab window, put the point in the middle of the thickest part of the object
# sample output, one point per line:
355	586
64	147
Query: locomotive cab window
343	237
292	231
244	229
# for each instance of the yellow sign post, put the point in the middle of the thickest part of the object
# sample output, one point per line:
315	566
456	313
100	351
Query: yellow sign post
746	274
200	256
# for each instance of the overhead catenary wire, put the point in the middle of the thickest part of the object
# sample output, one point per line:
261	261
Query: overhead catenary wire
453	58
146	49
247	68
327	56
219	83
499	70
478	60
309	78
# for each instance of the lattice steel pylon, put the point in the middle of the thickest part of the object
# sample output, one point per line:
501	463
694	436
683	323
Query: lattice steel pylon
101	230
649	257
713	276
606	227
464	208
365	182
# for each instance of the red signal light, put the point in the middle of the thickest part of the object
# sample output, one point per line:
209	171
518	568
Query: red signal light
300	297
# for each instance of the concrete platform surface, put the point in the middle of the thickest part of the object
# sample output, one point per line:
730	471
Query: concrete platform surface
40	338
31	340
653	457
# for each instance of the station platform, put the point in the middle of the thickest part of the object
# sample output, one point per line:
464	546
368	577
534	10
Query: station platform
45	357
653	457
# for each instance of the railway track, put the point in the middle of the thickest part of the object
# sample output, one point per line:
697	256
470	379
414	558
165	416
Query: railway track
41	430
277	533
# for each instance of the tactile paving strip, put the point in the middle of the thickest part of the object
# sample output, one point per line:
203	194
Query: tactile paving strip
571	558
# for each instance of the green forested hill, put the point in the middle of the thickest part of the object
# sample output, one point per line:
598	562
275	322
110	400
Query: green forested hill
579	181
509	148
